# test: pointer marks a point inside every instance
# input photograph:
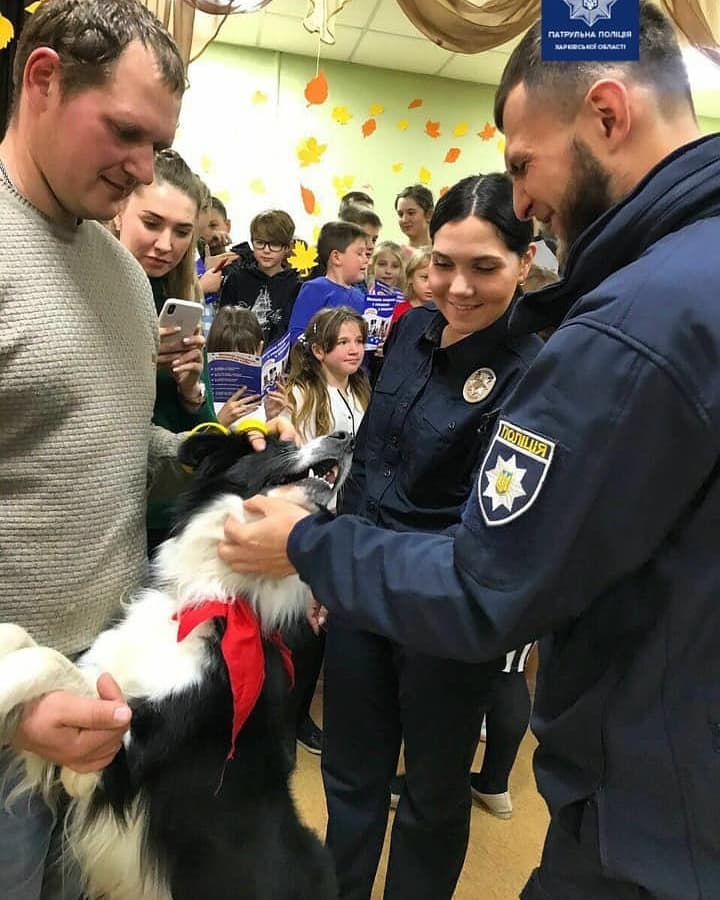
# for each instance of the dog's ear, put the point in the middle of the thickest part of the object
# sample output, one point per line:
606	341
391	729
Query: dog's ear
210	451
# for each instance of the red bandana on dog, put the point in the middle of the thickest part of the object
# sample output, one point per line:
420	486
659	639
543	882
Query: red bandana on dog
242	651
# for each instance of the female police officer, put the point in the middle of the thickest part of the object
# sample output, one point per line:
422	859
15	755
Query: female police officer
413	470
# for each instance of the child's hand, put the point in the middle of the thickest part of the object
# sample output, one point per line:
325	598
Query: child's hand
240	404
276	400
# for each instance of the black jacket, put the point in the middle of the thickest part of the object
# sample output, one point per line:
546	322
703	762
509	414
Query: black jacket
595	518
271	299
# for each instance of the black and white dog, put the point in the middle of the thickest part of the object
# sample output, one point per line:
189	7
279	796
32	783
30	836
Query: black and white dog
196	804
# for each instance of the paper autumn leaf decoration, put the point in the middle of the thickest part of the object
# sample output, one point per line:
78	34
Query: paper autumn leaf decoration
488	132
310	152
316	233
341	115
258	98
206	163
33	8
425	175
343	185
7	32
414	104
316	90
397	167
461	129
453	155
376	109
501	145
224	196
308	199
403	124
303	258
257	186
368	127
432	129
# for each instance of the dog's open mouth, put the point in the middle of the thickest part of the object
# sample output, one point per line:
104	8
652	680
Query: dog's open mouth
326	471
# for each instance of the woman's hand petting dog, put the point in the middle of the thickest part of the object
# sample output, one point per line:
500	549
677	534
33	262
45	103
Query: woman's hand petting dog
82	733
260	548
279	426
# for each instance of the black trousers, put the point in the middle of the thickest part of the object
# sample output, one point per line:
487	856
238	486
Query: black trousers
570	868
376	694
307	652
506	722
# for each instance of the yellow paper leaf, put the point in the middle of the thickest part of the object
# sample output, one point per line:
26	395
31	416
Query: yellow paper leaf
343	185
224	196
257	186
461	129
397	167
259	97
310	152
206	164
501	145
7	32
303	258
316	233
403	124
376	109
33	8
341	115
425	175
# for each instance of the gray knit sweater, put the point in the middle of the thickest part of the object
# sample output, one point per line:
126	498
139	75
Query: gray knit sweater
78	339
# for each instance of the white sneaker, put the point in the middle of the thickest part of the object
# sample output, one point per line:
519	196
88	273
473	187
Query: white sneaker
499	805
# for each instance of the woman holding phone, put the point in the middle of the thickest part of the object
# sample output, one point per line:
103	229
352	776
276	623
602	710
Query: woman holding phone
158	226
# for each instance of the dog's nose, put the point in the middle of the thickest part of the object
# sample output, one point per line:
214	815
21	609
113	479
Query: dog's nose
344	437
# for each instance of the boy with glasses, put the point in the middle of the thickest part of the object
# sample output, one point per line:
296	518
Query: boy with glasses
259	279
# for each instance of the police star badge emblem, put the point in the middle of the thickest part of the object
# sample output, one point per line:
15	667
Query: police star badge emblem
478	385
513	473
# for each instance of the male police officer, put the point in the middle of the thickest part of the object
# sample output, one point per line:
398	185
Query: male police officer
597	508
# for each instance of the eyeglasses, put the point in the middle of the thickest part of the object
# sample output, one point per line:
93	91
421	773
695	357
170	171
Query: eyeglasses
271	245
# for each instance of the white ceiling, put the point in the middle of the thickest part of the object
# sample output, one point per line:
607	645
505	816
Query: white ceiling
377	33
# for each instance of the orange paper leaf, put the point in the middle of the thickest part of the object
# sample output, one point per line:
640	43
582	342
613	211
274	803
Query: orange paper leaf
432	129
414	104
453	155
308	199
444	190
488	132
368	127
316	90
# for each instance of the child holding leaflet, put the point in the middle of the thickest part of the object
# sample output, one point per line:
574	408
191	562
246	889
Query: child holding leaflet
327	391
387	266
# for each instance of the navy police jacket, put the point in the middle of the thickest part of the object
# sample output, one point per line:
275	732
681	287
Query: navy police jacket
596	518
418	446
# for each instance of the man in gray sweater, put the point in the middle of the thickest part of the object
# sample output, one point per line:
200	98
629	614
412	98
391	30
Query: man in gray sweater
98	87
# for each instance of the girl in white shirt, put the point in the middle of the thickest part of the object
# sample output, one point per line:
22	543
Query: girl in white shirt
327	389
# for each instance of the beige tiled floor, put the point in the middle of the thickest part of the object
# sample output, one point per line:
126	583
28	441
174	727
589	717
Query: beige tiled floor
501	854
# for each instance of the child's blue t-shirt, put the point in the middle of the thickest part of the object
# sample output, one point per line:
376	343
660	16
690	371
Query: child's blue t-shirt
319	294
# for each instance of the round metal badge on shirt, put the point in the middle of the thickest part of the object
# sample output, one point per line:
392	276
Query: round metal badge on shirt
479	385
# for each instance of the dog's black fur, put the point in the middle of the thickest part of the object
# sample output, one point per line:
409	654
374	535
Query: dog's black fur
220	829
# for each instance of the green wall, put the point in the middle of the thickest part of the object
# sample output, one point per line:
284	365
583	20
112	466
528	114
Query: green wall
245	115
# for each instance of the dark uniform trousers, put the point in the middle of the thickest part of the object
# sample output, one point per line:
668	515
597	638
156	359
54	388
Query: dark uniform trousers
376	694
570	868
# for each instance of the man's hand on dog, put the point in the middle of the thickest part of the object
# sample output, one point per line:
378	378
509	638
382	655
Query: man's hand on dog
82	733
260	548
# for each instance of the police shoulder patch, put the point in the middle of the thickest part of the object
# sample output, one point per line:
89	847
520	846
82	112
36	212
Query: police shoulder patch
513	473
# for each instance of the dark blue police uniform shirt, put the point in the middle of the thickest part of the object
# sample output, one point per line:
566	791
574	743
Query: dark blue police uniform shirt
595	518
417	448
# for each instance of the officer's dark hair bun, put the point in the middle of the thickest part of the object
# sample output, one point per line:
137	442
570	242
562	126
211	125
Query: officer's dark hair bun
487	197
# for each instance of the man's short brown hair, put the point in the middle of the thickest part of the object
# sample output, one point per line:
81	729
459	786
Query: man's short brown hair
89	36
273	225
563	85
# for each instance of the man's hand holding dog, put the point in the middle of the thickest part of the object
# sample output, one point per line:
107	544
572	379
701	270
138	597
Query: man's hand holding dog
260	547
82	733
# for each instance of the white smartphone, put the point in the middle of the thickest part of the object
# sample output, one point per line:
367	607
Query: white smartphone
183	313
